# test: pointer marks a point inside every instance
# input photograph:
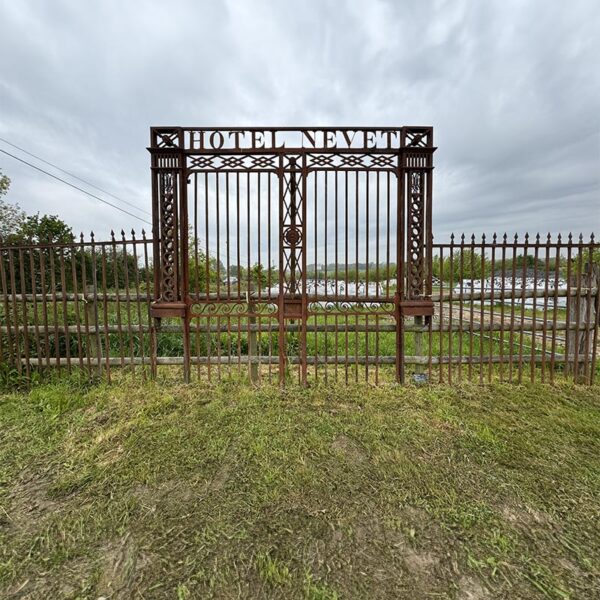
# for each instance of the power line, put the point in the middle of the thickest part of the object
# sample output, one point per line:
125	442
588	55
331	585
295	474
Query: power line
75	187
72	175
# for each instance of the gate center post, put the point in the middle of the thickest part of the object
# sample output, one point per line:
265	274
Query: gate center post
292	303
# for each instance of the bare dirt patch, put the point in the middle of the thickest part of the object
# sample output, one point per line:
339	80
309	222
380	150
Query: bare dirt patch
122	565
526	516
419	563
470	589
172	492
350	449
221	475
28	502
381	559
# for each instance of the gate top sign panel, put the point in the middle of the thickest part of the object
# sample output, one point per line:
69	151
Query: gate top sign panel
291	139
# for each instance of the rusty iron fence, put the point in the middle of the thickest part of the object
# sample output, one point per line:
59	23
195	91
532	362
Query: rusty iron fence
83	305
504	310
300	253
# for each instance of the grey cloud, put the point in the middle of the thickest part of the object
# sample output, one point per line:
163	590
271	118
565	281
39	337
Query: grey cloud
511	88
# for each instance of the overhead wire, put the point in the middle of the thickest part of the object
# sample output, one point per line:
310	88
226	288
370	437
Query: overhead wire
76	187
73	175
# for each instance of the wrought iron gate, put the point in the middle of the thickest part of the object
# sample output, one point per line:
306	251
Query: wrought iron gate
292	247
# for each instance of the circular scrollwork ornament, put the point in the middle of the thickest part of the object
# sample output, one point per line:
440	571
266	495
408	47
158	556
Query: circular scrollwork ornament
292	236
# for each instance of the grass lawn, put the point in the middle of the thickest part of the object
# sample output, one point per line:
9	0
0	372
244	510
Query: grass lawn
159	490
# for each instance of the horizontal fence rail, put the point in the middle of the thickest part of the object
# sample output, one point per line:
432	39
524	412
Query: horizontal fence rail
504	309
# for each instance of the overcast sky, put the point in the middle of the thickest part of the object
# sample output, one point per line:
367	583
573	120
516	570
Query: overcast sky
512	89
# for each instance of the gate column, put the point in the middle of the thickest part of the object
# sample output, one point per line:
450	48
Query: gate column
170	232
415	238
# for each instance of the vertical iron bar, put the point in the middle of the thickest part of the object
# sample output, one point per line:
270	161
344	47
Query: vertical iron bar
461	279
15	312
54	307
513	302
11	349
138	302
32	273
591	280
451	310
129	327
97	352
115	274
568	334
536	251
545	310
73	260
472	307
25	327
304	322
440	317
482	337
578	333
400	278
502	305
105	313
492	305
523	300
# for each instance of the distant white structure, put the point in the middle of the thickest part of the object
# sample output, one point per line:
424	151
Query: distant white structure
332	287
504	285
320	287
